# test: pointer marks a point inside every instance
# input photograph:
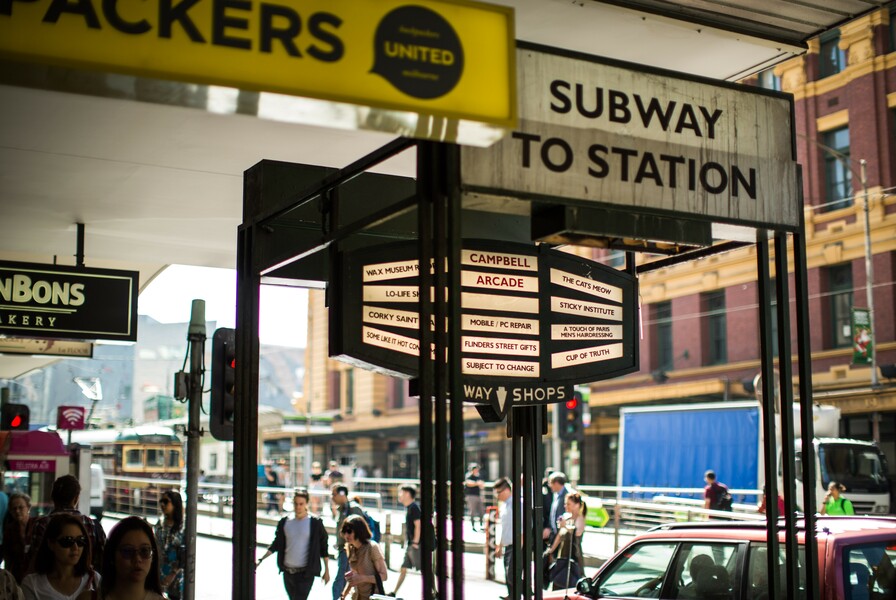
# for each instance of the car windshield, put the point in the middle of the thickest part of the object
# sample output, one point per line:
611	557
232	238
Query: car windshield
860	468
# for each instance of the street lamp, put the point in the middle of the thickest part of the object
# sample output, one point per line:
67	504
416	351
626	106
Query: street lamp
869	263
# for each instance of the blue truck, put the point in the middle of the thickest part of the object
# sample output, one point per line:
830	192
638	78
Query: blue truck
672	446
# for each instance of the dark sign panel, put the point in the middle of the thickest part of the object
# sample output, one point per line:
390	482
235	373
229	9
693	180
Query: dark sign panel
68	302
534	321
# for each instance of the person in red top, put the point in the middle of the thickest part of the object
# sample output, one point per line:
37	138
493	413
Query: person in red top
764	502
713	491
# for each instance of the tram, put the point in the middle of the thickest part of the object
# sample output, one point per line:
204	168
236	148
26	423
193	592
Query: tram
138	464
147	451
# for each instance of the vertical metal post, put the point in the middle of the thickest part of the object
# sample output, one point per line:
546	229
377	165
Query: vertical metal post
245	479
869	275
440	367
79	251
786	394
525	481
513	422
425	189
768	410
807	424
196	337
455	241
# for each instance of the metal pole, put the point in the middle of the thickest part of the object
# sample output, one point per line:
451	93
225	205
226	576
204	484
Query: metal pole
869	275
196	338
768	410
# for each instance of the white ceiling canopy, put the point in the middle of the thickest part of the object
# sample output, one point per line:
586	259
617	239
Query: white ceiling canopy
154	169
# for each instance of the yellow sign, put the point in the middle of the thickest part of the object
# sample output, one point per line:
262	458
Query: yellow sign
451	59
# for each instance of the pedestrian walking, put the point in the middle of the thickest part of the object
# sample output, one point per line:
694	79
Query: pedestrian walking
559	489
368	567
315	486
131	563
333	474
300	544
65	495
62	563
565	553
715	494
407	495
273	499
344	509
504	543
835	503
14	535
169	533
473	486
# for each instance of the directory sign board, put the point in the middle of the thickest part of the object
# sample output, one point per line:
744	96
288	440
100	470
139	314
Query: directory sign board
445	62
68	302
606	134
534	321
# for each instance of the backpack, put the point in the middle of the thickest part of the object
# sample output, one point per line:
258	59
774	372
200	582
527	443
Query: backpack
724	501
374	525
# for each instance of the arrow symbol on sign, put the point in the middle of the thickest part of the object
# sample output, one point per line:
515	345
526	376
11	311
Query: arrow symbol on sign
502	396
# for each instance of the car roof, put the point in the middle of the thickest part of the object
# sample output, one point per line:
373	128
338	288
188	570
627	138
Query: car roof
839	527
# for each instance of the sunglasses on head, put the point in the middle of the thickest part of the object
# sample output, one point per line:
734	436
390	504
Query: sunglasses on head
129	552
68	541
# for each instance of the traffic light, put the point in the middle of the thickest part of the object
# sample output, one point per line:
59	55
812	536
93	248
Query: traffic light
571	427
223	403
15	417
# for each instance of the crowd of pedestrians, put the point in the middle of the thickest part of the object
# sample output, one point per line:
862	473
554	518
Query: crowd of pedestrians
65	555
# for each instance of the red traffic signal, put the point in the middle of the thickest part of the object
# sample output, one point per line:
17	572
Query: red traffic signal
15	417
572	403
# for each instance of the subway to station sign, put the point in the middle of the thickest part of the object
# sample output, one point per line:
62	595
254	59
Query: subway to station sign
618	135
452	59
68	302
534	321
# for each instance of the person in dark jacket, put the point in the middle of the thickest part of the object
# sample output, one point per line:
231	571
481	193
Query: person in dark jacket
301	545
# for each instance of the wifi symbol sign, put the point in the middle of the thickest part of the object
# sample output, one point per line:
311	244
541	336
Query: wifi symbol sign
70	417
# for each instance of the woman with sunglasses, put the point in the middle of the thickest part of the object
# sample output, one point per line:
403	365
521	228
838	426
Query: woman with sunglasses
14	534
131	562
170	537
63	570
365	559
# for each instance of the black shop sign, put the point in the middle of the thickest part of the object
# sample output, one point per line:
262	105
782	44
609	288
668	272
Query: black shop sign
68	302
534	321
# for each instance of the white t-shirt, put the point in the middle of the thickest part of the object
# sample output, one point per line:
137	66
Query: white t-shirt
298	537
37	587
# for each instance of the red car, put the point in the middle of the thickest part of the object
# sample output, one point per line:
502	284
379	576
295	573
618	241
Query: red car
856	561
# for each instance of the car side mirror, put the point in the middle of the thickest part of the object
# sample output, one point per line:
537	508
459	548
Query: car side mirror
584	587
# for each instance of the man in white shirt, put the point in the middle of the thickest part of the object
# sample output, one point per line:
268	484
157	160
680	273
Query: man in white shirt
504	547
300	544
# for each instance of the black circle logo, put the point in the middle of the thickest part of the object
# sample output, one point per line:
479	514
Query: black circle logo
417	51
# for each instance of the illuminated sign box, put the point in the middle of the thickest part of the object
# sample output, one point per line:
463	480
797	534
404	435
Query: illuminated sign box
448	63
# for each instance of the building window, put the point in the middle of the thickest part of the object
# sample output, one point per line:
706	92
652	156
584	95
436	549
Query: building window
837	172
662	327
349	391
334	398
840	289
716	330
832	59
769	81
